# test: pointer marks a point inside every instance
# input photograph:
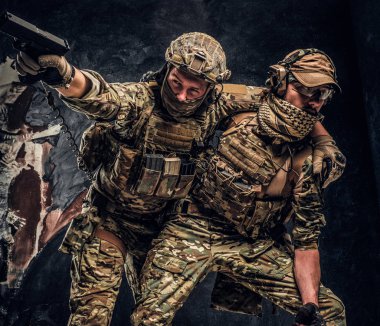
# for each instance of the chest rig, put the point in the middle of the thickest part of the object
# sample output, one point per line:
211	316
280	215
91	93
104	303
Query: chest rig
234	182
160	162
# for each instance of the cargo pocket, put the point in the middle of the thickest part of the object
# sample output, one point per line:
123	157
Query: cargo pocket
100	261
169	263
110	260
267	260
252	252
86	262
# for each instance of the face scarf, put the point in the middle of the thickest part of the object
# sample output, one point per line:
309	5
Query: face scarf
285	122
176	108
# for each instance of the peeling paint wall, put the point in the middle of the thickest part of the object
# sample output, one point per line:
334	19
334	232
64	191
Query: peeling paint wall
31	213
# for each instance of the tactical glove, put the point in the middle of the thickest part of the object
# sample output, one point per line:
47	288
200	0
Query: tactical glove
309	314
54	70
328	160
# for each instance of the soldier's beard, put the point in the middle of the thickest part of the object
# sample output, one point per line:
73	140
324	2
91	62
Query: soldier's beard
178	109
285	122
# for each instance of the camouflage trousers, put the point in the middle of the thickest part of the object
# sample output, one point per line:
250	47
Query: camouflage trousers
96	271
189	247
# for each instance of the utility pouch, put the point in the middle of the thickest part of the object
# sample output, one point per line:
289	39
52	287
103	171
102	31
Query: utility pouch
150	174
169	177
234	187
120	169
185	181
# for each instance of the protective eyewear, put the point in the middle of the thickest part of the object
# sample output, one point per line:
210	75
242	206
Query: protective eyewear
314	93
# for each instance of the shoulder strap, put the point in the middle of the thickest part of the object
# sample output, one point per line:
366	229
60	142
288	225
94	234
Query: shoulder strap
147	113
234	88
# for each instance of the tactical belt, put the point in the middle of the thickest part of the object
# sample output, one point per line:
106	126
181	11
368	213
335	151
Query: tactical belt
111	238
190	208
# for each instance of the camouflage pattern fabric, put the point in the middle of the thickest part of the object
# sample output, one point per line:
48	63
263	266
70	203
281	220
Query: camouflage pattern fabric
197	240
125	115
189	247
128	108
200	54
96	274
247	169
124	111
97	265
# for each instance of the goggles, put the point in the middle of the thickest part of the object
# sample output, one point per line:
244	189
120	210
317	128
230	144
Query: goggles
314	93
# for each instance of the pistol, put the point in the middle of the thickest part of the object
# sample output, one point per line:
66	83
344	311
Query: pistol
30	39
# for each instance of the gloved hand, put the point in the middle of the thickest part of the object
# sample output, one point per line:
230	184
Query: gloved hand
52	69
309	314
328	160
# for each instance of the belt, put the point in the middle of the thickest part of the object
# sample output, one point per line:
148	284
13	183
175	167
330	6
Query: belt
111	238
188	207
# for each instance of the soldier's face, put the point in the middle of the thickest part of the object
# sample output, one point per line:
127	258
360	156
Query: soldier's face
185	86
307	98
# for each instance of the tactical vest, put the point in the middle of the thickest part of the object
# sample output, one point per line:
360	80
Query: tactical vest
160	163
236	180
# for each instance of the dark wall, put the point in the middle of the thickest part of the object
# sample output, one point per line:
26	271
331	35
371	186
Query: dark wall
123	39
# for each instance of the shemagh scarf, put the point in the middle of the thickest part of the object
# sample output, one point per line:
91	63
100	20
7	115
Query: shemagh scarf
285	122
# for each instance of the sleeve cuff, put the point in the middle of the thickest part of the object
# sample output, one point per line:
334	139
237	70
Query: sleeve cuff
94	91
308	246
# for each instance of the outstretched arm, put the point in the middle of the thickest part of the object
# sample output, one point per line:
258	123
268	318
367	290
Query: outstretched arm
79	86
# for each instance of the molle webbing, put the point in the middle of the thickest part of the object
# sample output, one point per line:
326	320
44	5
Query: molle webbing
170	136
246	152
241	161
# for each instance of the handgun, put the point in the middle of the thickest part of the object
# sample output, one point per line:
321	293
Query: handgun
30	39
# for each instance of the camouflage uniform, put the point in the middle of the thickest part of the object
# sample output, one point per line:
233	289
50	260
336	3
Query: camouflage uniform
218	228
143	150
129	113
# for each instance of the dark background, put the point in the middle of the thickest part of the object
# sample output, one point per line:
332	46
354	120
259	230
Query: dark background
122	39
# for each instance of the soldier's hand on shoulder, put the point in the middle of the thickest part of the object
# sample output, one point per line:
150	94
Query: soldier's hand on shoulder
328	161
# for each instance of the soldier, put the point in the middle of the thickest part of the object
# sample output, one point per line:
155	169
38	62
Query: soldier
262	159
143	146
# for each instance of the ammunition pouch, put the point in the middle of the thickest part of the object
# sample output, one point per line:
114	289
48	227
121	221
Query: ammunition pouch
164	177
158	165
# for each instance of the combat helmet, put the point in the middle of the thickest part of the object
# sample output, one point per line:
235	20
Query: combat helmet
201	55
